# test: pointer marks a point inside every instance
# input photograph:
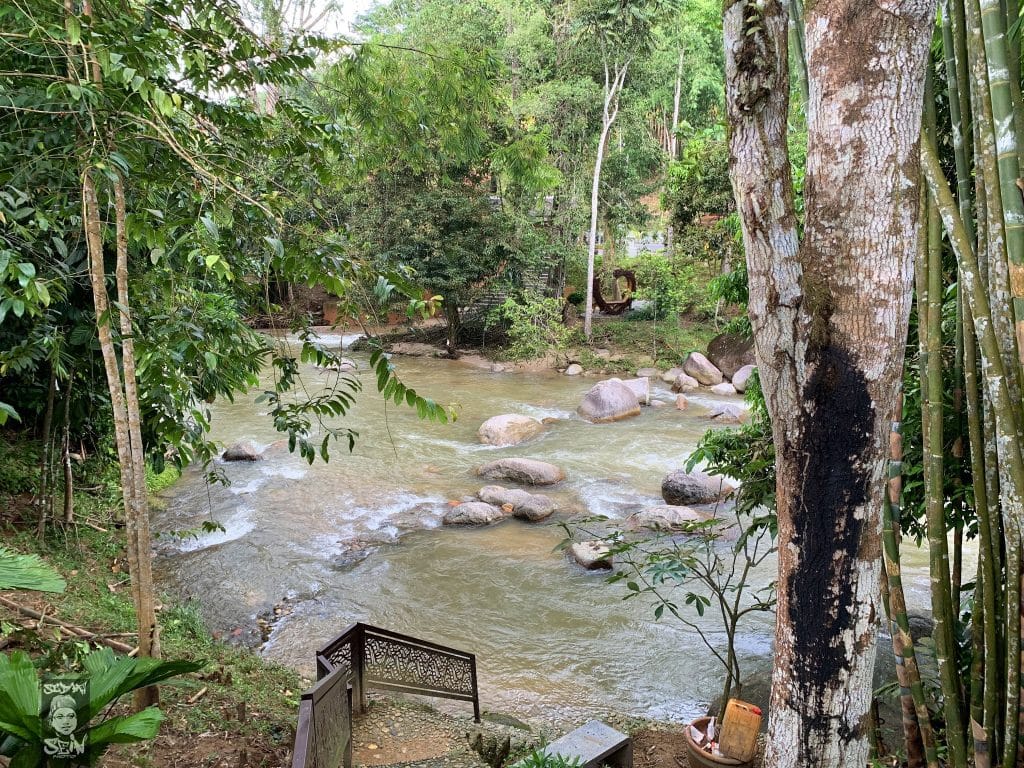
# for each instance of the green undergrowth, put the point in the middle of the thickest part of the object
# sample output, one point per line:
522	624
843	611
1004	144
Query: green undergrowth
638	343
245	695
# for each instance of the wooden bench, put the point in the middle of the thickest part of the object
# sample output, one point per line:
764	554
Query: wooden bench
594	744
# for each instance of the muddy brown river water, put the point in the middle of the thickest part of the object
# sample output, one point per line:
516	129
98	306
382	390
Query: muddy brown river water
359	538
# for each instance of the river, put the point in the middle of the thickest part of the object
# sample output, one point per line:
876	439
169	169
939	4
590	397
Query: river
359	539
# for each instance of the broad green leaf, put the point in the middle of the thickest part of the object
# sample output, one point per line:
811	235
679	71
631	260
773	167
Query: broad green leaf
19	571
74	29
211	226
127	728
276	245
7	412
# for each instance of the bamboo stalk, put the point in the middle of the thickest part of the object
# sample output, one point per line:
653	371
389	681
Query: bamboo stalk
1006	275
1008	434
929	329
957	84
983	727
917	730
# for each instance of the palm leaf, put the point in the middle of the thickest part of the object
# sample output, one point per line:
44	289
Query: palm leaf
19	571
126	728
19	697
111	677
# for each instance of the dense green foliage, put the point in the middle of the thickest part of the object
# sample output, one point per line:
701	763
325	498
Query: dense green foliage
534	326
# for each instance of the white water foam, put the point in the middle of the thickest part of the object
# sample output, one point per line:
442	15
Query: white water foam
236	525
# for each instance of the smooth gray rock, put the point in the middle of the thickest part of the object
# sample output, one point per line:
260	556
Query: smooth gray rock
473	513
741	378
508	429
685	383
525	471
342	365
702	369
609	400
575	369
245	450
670	376
414	349
592	555
727	413
684	488
725	388
666	517
641	388
523	505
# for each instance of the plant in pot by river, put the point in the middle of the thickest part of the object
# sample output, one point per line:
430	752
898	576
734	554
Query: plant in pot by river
66	731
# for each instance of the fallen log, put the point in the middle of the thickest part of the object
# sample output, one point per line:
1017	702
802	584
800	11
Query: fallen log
85	634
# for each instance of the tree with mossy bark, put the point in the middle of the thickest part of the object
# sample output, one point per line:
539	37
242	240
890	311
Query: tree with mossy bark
829	312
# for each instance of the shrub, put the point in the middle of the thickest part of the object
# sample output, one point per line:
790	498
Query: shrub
534	326
672	288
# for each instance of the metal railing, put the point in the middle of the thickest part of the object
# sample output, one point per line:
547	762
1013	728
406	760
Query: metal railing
323	738
364	657
386	660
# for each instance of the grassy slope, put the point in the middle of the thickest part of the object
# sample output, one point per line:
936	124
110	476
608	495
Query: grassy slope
98	598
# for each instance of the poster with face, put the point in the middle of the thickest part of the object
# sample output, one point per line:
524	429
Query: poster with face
64	736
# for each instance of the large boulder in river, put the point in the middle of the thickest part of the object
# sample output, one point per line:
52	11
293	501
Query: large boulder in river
730	352
473	513
525	506
525	471
641	387
741	378
243	451
666	517
609	400
591	554
683	488
509	429
725	388
726	413
702	369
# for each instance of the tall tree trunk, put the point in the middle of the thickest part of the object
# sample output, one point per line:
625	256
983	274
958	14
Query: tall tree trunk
44	495
673	145
613	81
65	454
124	401
830	321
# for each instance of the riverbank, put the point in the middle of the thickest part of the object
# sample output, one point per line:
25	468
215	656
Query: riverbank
240	709
619	345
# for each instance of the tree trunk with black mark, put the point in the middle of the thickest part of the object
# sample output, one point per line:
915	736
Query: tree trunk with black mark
830	321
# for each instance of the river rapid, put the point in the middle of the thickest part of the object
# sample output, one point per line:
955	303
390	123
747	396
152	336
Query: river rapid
359	539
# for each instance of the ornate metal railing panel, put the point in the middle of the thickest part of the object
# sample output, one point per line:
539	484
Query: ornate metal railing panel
323	738
379	658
